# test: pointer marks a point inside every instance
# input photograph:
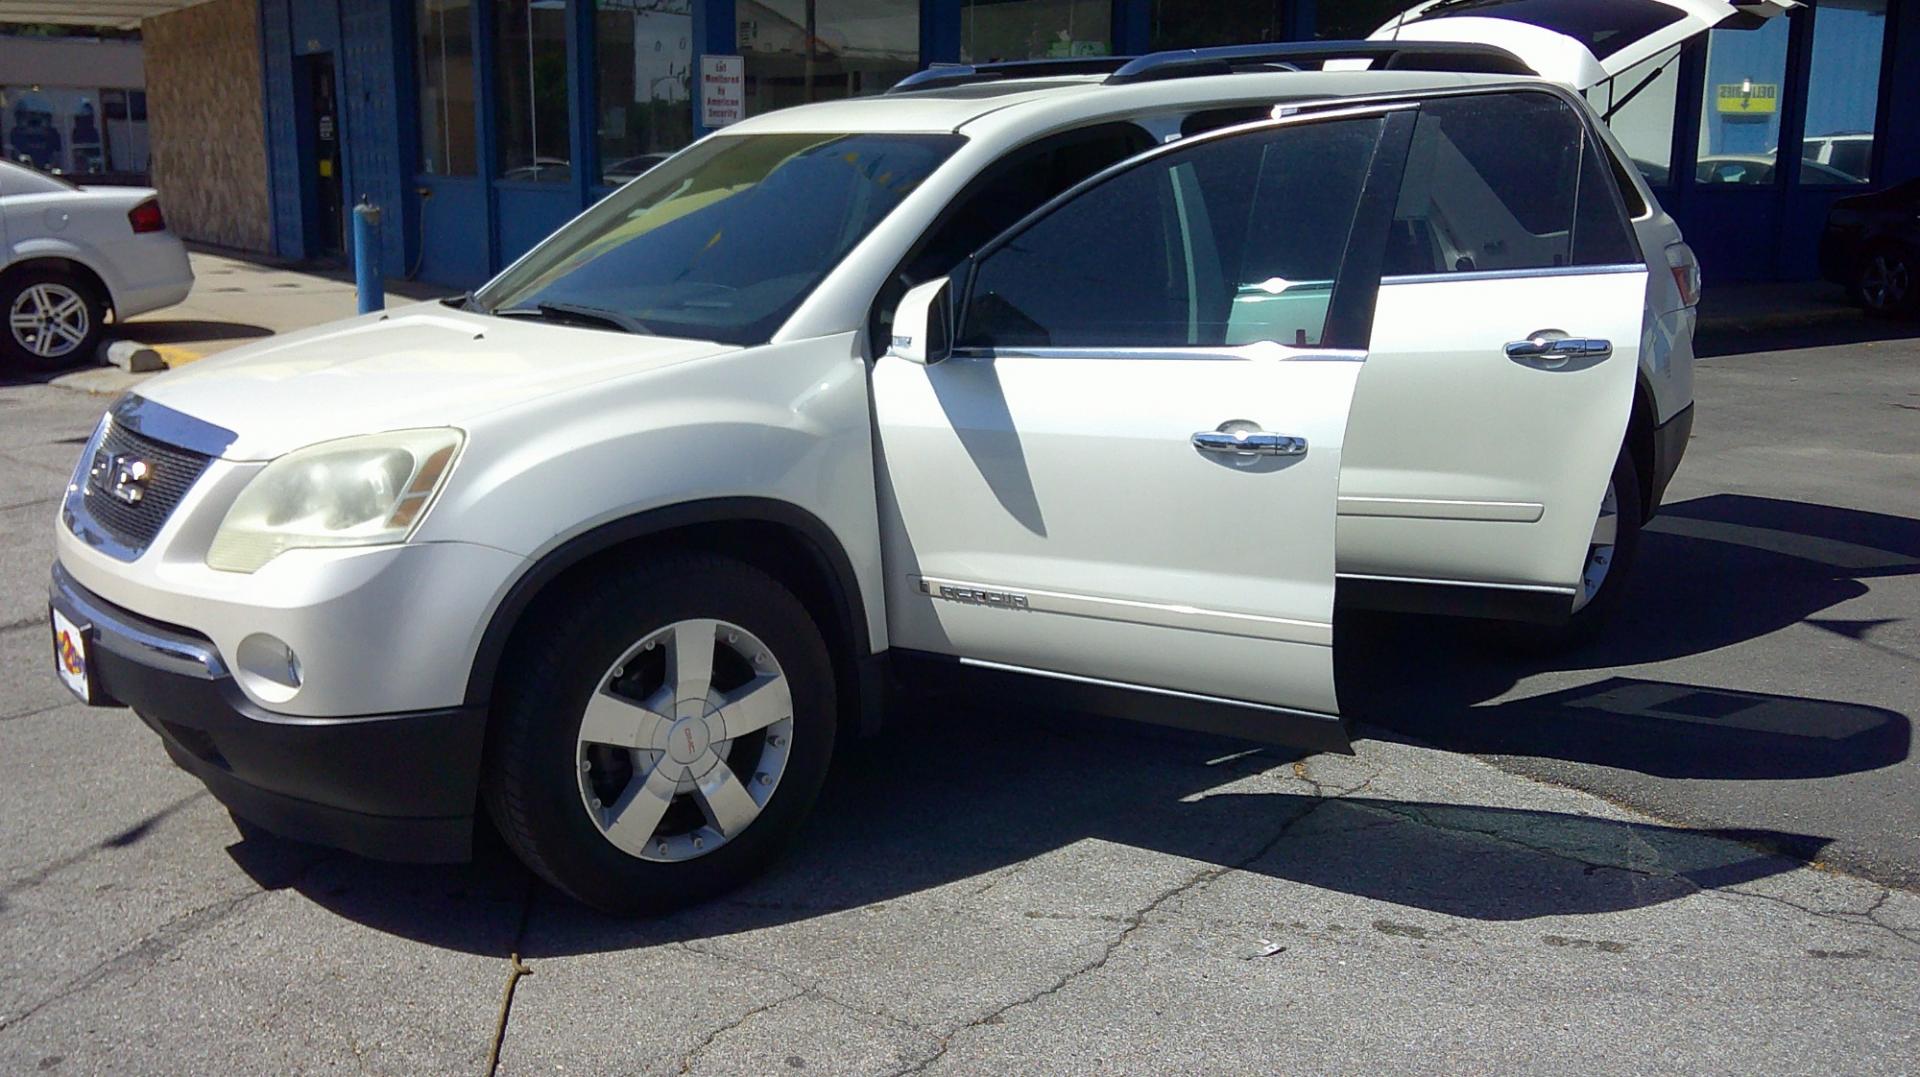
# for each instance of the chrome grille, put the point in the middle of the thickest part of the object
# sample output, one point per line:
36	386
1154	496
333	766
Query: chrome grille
132	484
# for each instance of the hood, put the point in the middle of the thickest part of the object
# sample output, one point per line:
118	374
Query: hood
417	366
1579	43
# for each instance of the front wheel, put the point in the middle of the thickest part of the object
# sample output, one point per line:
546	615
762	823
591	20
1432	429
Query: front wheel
662	733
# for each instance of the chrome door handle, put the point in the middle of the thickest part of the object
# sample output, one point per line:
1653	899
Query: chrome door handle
1551	346
1249	443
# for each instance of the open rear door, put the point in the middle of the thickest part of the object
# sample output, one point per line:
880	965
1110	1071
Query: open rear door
1578	43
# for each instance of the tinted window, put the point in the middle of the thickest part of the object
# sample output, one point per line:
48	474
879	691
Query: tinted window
723	241
1490	185
1601	234
1603	28
1227	241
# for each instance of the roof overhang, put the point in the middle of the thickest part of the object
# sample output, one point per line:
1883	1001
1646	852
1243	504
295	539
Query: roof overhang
118	14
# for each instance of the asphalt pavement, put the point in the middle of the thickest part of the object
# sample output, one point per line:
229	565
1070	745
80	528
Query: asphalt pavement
1690	846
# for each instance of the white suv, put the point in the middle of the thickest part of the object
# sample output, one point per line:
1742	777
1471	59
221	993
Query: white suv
1095	378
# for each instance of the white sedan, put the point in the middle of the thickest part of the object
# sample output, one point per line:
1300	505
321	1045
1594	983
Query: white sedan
69	255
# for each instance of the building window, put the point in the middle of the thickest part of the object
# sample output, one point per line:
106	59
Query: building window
1353	20
532	95
447	139
53	128
1639	106
643	55
798	51
1182	24
993	30
1740	115
1843	92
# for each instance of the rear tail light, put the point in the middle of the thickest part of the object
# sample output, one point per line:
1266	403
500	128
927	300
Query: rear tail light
1686	273
146	217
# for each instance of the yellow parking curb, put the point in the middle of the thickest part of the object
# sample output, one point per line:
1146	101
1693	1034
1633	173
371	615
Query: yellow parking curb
175	356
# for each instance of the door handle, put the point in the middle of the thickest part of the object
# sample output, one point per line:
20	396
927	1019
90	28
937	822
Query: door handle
1552	347
1235	439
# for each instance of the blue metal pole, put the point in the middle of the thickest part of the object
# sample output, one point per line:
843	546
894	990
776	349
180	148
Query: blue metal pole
366	257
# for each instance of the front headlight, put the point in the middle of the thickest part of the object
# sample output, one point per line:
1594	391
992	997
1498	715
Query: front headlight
360	491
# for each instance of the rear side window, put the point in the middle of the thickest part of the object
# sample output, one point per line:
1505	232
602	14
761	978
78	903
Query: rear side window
1223	242
1503	182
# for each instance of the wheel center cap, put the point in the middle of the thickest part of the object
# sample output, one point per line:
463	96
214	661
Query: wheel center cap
688	740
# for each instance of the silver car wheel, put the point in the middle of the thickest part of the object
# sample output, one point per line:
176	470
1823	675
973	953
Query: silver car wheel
685	740
1606	530
49	320
1886	282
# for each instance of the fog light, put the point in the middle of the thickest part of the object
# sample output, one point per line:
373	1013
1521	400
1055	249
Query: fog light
269	666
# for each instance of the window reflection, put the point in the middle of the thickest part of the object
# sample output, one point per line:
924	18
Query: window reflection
993	30
447	142
798	51
1740	115
644	55
530	49
1843	93
1639	104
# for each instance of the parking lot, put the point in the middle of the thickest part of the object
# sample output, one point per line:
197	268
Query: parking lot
1692	845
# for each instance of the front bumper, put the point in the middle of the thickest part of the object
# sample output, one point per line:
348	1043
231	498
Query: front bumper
389	786
1669	445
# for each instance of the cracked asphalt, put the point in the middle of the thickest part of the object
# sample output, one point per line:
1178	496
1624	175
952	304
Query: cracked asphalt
1691	846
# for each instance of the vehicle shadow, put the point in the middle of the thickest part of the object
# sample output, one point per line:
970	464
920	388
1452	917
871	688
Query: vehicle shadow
968	791
187	330
1711	573
960	790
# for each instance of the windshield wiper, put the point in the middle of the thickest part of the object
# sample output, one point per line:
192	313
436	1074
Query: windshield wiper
580	314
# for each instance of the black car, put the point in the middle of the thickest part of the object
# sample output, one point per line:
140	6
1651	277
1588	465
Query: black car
1872	245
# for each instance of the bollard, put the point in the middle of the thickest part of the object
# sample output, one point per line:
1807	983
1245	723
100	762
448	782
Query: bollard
366	256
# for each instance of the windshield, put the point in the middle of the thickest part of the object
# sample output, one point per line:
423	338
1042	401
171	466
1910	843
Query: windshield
723	241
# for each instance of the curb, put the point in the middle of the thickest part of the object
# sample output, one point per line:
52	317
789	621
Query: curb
131	356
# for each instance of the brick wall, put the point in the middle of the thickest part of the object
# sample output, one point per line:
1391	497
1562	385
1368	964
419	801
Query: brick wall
205	119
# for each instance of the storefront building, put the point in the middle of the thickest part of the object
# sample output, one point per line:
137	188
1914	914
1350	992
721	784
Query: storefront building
479	126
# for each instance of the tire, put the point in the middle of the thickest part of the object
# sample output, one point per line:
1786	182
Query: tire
1604	578
1887	282
572	807
54	319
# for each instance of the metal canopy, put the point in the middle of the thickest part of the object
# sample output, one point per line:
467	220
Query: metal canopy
119	14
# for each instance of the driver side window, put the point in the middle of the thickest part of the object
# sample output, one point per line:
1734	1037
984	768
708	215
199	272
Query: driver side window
1226	241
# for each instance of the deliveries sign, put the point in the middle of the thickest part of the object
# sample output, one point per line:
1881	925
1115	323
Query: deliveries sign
722	90
1747	98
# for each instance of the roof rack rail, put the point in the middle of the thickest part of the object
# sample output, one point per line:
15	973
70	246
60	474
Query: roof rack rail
1385	55
941	74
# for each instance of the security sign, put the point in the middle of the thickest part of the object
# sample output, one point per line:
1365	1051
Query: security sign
1747	98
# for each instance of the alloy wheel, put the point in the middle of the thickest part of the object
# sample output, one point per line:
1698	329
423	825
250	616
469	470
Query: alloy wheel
1886	281
1606	530
49	320
684	740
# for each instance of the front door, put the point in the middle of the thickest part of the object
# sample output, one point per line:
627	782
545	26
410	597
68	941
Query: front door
325	186
1504	352
1126	472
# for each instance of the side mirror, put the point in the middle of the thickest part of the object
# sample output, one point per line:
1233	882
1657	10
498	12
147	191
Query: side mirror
923	323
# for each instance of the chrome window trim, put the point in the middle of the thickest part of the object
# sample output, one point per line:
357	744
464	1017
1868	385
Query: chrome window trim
1513	274
1260	350
162	423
